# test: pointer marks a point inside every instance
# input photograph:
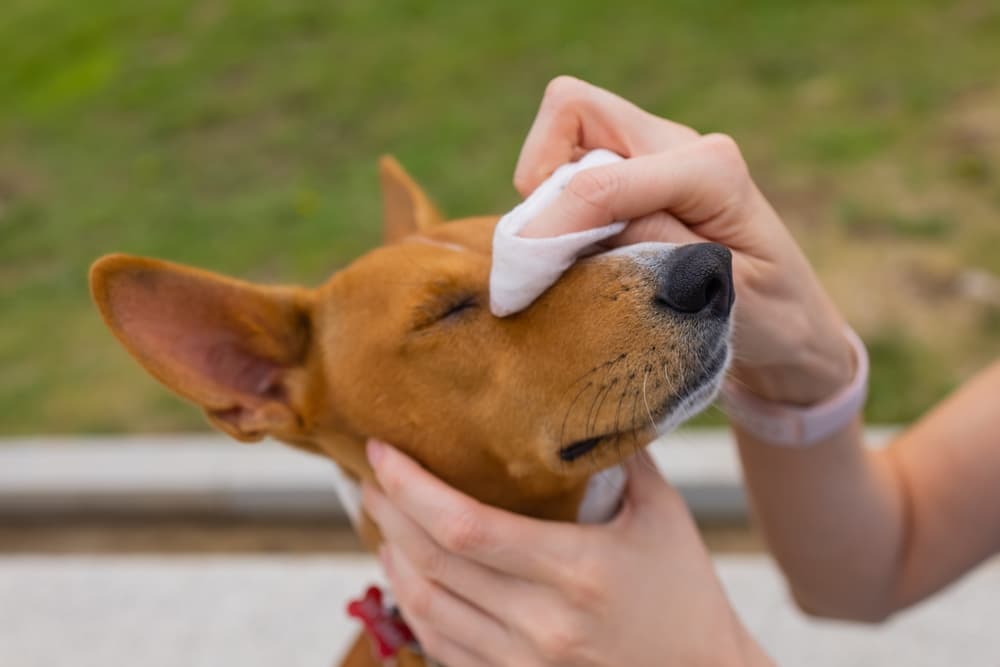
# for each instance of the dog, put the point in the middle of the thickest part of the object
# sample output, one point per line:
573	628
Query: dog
518	412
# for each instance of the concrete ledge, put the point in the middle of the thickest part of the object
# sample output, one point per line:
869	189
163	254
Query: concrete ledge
210	474
268	610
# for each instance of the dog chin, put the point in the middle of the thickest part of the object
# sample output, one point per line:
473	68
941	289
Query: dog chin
695	398
698	398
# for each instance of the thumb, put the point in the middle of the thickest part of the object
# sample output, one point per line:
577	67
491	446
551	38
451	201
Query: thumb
651	504
646	483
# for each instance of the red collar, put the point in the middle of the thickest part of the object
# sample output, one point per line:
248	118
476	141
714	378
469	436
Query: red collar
384	625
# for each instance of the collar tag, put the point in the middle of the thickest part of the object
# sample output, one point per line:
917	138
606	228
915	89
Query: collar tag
384	625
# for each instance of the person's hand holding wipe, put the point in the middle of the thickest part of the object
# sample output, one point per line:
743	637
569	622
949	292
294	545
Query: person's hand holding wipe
682	187
485	587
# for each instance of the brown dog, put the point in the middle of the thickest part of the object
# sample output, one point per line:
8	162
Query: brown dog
400	345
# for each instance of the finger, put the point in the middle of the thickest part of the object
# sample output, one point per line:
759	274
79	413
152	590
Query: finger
576	116
651	504
495	593
659	227
516	545
696	183
427	605
443	650
645	481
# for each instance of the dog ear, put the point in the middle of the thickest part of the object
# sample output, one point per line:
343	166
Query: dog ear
406	209
236	349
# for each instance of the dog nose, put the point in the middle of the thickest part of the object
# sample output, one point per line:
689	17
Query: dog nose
697	278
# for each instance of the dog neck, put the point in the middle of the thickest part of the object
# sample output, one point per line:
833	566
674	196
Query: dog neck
534	493
600	499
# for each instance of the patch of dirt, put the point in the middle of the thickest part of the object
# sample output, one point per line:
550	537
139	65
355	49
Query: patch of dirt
908	240
974	120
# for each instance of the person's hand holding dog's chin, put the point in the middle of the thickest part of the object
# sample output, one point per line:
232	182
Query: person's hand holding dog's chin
481	586
681	187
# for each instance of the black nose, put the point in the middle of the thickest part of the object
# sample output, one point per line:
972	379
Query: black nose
697	278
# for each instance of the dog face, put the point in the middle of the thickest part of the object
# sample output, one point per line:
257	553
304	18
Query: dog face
401	345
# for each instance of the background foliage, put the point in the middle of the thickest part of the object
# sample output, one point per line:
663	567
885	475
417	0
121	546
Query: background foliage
242	136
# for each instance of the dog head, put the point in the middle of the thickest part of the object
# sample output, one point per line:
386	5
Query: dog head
401	345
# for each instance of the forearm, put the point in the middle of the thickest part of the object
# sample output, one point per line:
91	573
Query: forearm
830	512
858	533
861	533
833	516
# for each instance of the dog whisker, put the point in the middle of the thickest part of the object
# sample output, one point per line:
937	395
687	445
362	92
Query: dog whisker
569	411
594	411
635	422
603	366
621	399
649	412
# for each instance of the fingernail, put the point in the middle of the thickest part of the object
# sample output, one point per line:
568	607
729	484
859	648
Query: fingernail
375	451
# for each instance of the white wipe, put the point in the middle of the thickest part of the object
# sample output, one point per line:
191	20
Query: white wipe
523	268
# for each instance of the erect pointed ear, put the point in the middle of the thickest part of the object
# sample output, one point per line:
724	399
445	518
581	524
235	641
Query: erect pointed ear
236	349
406	209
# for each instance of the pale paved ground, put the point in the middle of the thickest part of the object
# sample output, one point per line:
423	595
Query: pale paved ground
288	611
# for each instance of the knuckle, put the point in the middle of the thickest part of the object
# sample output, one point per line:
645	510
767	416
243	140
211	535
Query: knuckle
463	533
723	143
560	641
725	150
418	599
390	480
433	562
732	169
595	187
586	584
563	90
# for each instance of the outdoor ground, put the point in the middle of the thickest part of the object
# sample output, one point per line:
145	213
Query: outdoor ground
242	136
103	545
265	610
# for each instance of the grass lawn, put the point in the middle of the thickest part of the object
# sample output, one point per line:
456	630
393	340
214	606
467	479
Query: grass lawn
242	136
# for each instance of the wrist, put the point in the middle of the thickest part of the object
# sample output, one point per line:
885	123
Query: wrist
800	425
815	368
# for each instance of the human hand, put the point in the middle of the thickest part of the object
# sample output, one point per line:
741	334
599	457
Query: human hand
681	187
483	587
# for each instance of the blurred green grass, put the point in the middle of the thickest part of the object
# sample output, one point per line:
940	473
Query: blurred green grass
242	136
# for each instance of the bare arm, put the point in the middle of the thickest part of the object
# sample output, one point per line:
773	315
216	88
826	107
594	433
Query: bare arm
862	533
858	533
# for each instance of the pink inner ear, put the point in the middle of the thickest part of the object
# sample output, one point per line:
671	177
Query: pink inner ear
192	336
235	367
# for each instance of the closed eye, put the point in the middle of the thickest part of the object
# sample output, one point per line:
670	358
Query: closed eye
443	310
458	307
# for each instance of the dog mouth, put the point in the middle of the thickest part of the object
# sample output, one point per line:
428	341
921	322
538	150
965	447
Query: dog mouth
579	448
695	395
